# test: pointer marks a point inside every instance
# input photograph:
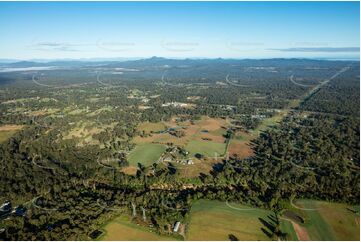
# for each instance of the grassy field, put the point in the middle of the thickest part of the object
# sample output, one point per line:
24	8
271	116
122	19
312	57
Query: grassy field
204	136
288	227
122	229
6	131
206	148
147	154
269	122
151	127
330	221
214	220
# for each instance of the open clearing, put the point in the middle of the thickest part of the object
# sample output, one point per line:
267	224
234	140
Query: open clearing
269	122
204	136
206	148
122	229
330	221
240	145
6	131
214	220
84	131
151	127
146	154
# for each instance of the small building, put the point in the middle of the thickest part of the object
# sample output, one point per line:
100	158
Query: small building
176	227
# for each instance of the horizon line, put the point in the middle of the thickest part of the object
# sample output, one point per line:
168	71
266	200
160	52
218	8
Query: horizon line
123	59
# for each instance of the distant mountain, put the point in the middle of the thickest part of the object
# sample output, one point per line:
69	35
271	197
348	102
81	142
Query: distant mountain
165	62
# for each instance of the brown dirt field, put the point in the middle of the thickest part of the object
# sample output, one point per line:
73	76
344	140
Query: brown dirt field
301	232
149	139
211	124
214	138
37	113
192	132
11	127
240	148
130	170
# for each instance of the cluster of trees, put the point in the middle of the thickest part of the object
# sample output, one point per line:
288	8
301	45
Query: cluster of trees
340	96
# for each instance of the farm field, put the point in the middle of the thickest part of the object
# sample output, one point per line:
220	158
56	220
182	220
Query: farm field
215	220
288	226
6	131
146	154
206	148
204	136
122	229
329	221
240	145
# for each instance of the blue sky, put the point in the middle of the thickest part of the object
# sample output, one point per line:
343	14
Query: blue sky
179	29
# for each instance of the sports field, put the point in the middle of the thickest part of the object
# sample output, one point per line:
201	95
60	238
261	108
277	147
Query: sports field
122	229
146	154
215	220
328	221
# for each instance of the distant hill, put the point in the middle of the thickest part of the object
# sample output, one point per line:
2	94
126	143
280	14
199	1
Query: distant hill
160	61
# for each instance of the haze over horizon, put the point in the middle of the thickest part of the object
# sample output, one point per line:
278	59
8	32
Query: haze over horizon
88	30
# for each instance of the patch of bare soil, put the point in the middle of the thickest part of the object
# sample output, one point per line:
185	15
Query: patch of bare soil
130	170
10	127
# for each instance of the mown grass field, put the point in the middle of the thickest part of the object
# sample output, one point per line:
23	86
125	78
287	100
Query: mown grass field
206	148
214	220
288	227
122	229
146	154
330	221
